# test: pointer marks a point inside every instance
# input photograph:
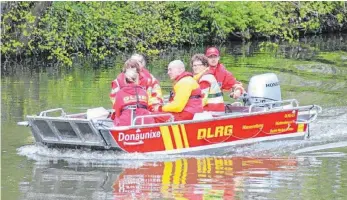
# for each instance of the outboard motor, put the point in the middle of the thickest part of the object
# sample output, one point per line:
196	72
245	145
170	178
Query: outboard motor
263	88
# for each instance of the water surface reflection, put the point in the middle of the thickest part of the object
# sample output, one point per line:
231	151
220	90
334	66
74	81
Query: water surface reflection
186	178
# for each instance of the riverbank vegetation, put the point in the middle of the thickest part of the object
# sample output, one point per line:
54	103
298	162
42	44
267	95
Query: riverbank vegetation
62	31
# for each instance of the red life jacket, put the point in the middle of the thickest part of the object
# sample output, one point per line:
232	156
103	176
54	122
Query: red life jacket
152	87
225	79
117	84
194	104
146	81
127	96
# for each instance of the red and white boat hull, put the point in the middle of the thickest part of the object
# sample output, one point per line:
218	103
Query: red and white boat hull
210	134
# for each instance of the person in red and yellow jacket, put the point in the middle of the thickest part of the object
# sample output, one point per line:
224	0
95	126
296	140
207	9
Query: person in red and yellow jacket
225	79
131	99
185	99
213	96
153	86
146	80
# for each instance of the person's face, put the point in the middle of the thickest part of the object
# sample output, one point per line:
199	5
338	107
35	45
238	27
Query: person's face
197	66
213	60
141	66
173	72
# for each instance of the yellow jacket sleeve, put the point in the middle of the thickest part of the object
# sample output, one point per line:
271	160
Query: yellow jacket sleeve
183	89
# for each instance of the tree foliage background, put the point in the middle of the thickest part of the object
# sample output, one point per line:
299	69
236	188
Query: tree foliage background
61	31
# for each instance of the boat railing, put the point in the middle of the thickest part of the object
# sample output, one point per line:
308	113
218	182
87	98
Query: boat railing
44	113
142	118
63	114
274	104
312	112
65	129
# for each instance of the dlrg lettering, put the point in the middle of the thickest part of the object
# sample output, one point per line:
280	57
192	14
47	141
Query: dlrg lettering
219	131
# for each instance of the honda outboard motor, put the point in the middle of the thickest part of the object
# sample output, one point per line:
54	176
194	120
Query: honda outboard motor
263	88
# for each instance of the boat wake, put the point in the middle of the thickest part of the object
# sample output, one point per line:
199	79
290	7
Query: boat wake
43	154
329	131
321	147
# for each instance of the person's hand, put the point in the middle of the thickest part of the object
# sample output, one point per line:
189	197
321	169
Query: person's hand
238	91
237	94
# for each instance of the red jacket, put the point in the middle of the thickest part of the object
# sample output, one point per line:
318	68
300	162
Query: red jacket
117	84
120	82
147	82
225	79
152	86
131	95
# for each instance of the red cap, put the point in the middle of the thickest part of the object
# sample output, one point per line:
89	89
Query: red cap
212	51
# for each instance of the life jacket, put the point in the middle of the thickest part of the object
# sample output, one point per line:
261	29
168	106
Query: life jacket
194	104
129	97
146	81
117	84
214	99
152	87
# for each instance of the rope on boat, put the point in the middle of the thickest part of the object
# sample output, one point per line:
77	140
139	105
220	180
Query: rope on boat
207	140
278	132
260	130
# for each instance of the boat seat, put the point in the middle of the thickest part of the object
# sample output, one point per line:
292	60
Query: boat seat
97	113
202	115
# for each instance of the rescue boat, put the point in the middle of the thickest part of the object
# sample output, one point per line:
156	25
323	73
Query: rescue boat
261	116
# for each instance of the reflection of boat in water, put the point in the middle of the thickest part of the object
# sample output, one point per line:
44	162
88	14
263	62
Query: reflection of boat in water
57	181
195	178
264	118
186	178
